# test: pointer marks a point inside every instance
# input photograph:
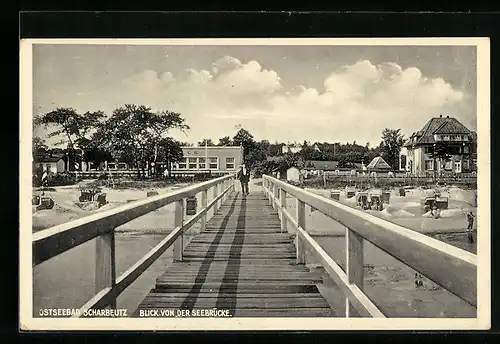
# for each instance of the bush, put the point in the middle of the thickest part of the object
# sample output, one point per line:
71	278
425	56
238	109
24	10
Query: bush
61	179
46	189
103	176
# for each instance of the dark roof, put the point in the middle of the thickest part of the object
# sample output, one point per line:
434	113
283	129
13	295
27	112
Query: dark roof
321	165
438	125
47	158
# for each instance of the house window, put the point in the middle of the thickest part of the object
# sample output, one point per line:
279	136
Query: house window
201	163
192	163
428	149
466	149
213	163
429	165
229	163
446	138
49	166
465	138
448	165
182	164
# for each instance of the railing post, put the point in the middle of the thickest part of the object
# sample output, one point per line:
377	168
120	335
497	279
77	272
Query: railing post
179	220
270	188
105	263
204	203
223	187
301	221
284	221
214	195
276	192
354	265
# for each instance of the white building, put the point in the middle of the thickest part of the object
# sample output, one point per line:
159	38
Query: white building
291	148
212	158
293	174
50	164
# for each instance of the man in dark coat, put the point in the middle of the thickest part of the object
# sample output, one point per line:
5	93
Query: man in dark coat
244	177
470	225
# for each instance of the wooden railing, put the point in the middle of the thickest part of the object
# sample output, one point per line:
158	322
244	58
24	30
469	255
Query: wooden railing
56	240
450	267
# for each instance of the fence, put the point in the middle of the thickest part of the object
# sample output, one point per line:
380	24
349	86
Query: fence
452	268
56	240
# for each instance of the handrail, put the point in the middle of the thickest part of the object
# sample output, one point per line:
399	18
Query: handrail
55	240
364	305
58	239
450	267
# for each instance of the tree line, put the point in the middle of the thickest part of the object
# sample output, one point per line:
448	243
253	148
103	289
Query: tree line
133	134
140	137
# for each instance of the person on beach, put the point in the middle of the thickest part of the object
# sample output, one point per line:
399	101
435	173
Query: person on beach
244	178
470	225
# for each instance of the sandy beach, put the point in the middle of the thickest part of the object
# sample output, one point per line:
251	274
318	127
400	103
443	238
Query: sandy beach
66	209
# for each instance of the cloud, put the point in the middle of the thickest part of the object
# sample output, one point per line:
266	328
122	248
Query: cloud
361	99
354	102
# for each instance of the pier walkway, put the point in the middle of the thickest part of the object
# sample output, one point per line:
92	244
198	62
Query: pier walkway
242	263
249	258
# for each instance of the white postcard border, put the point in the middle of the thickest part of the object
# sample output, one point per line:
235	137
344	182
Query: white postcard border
29	323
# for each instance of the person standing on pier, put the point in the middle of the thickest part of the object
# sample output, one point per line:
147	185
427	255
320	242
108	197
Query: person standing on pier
244	178
470	225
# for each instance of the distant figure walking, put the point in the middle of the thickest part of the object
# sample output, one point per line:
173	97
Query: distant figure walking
470	225
244	178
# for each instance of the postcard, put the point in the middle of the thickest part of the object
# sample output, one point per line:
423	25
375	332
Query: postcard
255	184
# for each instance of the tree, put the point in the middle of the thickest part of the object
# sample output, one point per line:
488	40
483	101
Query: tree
392	141
170	152
207	142
244	139
72	126
133	133
225	141
440	153
307	152
38	146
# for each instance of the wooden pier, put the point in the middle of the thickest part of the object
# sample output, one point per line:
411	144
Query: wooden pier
242	263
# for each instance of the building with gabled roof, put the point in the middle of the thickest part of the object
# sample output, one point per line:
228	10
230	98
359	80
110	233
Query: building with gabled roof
50	163
378	164
417	156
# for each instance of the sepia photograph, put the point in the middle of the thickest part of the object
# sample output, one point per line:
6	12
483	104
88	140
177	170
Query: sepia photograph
255	184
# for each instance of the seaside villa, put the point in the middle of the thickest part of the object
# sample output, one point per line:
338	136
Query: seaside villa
417	158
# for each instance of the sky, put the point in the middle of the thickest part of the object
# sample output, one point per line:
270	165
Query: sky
279	93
